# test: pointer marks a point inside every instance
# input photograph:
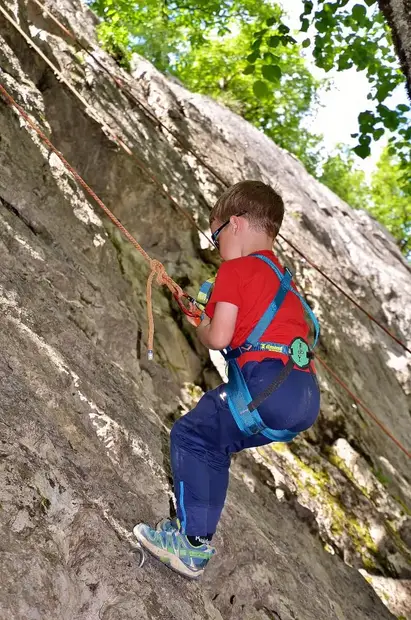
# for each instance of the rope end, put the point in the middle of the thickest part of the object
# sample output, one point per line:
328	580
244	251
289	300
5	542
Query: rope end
150	355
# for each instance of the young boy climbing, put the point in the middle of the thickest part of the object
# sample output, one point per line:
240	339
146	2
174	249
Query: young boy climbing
257	317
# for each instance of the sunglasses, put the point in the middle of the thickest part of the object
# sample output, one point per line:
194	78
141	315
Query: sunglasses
216	233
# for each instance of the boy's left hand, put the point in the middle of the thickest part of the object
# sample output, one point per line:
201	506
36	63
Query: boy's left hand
196	321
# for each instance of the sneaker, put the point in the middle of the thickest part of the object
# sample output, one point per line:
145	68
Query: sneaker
167	525
172	548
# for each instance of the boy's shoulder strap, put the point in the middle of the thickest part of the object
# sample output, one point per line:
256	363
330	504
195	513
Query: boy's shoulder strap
269	314
269	262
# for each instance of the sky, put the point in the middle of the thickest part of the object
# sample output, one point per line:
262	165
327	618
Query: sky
337	118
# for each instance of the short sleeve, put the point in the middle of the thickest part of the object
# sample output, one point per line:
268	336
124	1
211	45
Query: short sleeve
226	288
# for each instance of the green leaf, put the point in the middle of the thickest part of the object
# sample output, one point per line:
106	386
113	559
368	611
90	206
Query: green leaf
319	42
366	118
270	57
383	110
274	41
306	43
364	139
305	24
370	2
378	133
383	90
256	44
390	118
260	33
288	39
344	62
248	70
271	72
359	13
253	57
308	7
403	108
260	89
271	21
354	135
362	150
283	29
322	26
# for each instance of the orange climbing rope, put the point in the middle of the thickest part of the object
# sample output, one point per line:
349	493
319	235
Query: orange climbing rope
121	85
157	268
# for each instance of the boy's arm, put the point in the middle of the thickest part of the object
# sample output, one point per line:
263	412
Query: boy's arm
217	333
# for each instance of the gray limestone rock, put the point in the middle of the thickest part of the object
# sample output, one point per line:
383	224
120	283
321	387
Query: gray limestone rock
84	417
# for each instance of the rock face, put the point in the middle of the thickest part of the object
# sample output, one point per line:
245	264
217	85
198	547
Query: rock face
85	419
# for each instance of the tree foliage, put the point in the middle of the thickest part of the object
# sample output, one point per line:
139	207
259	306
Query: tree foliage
391	200
242	52
347	35
341	34
385	196
219	49
343	177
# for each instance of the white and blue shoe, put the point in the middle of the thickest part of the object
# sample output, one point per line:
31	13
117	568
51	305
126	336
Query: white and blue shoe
167	525
173	548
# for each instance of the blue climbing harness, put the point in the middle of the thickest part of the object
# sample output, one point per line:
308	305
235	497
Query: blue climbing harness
242	406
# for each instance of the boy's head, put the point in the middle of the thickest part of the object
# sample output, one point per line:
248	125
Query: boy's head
246	218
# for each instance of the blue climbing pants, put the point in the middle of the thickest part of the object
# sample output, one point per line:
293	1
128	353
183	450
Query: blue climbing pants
203	440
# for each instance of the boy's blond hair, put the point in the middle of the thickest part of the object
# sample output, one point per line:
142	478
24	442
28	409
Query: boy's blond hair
262	205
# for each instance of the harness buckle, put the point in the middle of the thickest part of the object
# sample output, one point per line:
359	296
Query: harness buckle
244	348
300	353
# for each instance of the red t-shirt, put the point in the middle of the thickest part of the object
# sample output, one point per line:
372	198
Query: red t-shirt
251	284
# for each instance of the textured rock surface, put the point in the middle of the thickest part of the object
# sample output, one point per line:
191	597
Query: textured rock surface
84	418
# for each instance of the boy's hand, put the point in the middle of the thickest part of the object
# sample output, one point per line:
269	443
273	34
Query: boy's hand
217	334
196	321
205	321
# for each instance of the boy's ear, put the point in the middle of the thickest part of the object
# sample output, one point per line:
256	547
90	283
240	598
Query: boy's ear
235	221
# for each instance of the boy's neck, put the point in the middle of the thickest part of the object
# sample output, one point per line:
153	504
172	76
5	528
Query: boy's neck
258	243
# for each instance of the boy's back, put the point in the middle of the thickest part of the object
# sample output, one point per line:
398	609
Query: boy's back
250	284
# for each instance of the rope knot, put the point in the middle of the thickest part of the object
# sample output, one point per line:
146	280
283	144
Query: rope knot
159	271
